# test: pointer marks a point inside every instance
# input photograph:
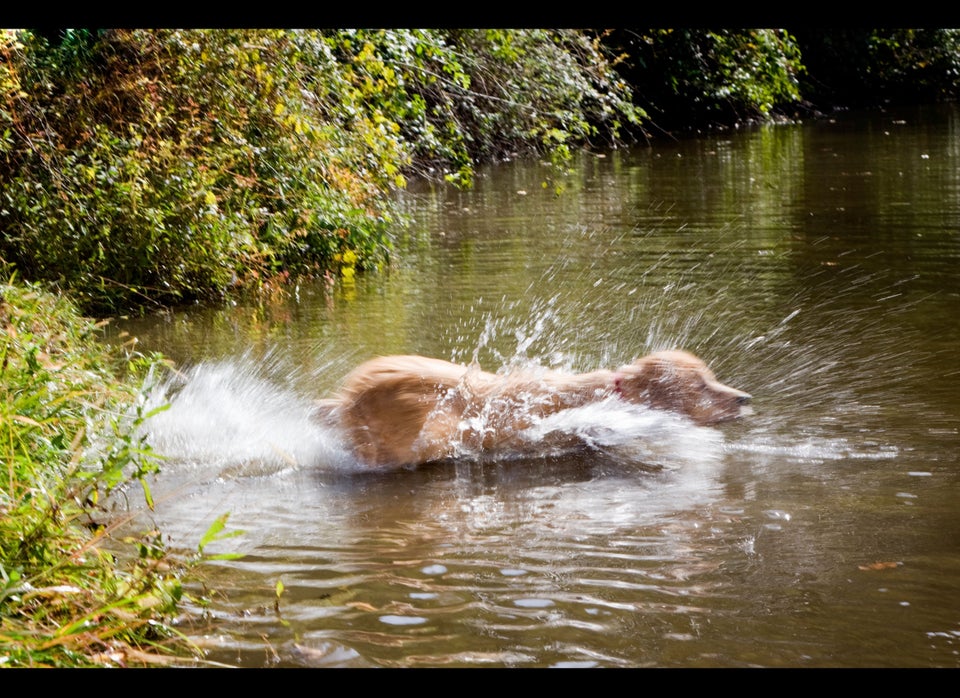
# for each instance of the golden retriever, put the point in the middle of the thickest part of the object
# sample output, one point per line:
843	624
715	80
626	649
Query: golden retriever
409	410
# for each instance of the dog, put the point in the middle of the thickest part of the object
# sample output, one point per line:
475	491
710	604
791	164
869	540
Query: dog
404	411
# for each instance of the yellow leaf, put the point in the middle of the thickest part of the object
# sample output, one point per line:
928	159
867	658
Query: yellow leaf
874	566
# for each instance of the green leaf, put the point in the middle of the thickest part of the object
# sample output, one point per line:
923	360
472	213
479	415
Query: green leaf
215	533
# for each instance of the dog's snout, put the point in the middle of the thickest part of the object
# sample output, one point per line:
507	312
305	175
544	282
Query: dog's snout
744	399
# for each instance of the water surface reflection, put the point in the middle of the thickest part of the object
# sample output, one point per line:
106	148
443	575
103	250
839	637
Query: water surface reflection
812	265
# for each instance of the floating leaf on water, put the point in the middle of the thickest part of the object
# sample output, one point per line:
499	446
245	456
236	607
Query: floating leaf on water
874	566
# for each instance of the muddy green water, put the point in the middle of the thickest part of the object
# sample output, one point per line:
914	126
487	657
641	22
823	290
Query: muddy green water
813	265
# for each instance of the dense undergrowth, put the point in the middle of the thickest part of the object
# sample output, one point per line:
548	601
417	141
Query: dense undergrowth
153	167
72	591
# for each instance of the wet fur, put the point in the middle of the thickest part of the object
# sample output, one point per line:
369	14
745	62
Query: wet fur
408	410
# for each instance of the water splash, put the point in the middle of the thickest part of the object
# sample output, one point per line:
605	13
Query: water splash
630	433
235	414
806	364
814	449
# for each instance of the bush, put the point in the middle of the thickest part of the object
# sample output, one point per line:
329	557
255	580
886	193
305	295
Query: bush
144	168
869	67
71	593
695	77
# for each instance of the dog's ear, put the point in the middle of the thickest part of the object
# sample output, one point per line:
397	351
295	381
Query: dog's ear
649	368
664	380
635	381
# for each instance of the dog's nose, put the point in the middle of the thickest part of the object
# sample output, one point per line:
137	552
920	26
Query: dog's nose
744	399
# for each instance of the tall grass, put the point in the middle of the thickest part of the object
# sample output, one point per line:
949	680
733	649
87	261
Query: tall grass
71	592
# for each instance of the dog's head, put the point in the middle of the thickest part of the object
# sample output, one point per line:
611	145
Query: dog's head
680	382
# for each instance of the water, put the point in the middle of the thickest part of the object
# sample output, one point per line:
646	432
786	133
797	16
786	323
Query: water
814	266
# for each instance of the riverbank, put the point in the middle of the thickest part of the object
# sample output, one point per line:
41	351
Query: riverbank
143	169
73	593
149	168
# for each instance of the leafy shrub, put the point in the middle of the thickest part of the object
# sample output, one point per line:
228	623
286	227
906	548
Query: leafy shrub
867	67
171	165
692	77
70	592
155	167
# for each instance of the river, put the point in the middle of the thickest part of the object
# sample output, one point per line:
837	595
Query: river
814	265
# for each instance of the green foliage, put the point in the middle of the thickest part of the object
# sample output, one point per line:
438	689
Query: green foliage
217	532
692	77
538	92
70	592
397	86
855	67
156	167
459	97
